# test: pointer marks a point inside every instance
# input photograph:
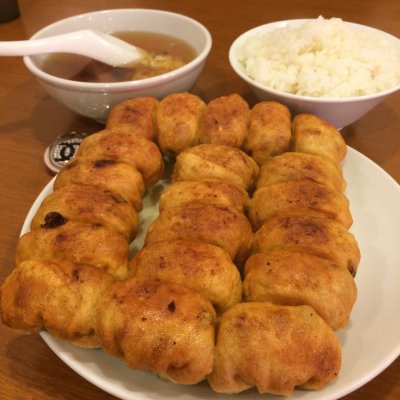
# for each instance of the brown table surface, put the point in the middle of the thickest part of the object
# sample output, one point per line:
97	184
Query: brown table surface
30	120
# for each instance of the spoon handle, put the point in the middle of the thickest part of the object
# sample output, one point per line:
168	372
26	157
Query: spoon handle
97	45
41	46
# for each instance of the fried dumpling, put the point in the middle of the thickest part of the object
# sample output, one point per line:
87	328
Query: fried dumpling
124	146
160	327
118	177
59	296
274	348
318	236
178	117
213	161
316	136
303	197
269	131
224	121
76	241
209	191
203	267
292	278
136	115
90	204
208	223
292	166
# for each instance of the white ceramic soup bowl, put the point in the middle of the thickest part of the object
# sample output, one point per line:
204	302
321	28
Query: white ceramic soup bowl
94	100
339	111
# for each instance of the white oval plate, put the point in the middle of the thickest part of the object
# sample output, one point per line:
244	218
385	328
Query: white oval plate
371	341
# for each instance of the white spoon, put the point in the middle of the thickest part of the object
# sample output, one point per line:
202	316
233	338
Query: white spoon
94	44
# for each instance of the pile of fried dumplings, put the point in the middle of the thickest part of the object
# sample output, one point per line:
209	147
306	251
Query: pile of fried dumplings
246	273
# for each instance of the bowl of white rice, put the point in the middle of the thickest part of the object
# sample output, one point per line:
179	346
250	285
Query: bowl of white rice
328	67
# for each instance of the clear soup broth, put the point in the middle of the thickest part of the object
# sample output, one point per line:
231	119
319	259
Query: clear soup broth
166	53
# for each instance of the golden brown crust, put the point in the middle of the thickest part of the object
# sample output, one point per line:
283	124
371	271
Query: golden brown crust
316	136
269	131
274	348
292	278
178	117
304	197
199	266
136	115
208	191
318	236
135	150
214	161
208	223
224	121
118	177
293	166
89	204
157	311
77	242
158	326
59	296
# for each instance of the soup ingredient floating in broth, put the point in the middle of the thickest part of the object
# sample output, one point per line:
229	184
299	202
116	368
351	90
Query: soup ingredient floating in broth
166	53
322	58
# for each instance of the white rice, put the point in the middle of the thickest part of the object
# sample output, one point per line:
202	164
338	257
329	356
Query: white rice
322	58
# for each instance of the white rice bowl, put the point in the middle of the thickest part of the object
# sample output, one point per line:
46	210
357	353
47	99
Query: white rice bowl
324	58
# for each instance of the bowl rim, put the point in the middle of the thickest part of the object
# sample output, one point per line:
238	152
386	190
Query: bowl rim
271	25
125	85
